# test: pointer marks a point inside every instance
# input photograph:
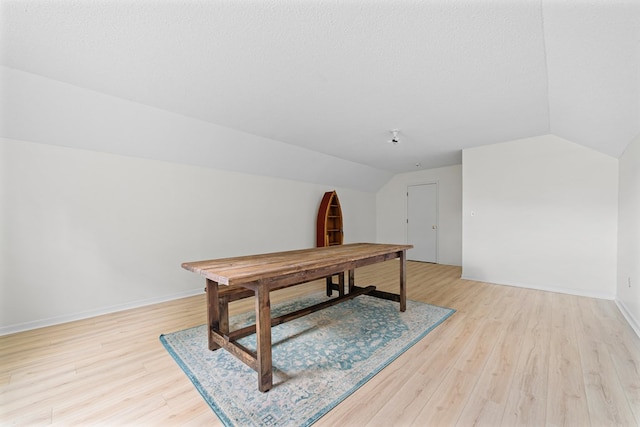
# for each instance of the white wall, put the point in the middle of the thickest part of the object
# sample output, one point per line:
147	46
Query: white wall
545	216
37	109
84	232
628	295
391	210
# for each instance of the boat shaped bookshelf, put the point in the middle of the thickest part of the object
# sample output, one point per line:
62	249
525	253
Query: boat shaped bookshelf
329	225
329	232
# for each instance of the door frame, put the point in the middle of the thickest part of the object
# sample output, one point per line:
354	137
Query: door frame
406	213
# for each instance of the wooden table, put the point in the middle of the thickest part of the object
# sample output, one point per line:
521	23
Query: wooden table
230	279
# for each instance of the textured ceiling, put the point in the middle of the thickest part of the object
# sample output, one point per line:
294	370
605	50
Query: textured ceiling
335	77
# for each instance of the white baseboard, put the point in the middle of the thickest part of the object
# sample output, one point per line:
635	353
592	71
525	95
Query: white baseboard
633	322
27	326
557	289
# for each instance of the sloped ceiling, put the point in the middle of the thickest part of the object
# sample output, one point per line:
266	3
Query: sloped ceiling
336	76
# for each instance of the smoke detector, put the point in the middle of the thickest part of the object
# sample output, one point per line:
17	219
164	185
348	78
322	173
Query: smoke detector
394	137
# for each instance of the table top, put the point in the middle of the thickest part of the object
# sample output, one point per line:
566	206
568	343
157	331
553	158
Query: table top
299	265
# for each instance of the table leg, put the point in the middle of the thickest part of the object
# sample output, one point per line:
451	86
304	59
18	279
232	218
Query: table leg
341	284
213	312
329	286
223	314
403	280
352	279
263	336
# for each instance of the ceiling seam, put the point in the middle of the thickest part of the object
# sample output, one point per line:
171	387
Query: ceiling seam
546	63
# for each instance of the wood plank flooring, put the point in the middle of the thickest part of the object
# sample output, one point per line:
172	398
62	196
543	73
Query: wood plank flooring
509	356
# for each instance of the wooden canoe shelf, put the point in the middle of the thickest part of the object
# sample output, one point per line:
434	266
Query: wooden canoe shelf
329	233
329	225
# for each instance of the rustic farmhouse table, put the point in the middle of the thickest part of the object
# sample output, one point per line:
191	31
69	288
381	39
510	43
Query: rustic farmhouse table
230	279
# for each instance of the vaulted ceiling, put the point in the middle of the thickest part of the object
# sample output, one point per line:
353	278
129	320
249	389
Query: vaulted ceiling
336	76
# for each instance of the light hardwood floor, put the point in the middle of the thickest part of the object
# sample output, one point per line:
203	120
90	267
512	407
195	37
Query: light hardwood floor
509	356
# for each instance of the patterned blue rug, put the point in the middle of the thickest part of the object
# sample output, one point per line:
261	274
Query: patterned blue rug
318	359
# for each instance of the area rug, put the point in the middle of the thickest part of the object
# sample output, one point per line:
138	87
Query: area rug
318	359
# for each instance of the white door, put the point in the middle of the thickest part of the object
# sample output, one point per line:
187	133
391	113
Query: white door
422	222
